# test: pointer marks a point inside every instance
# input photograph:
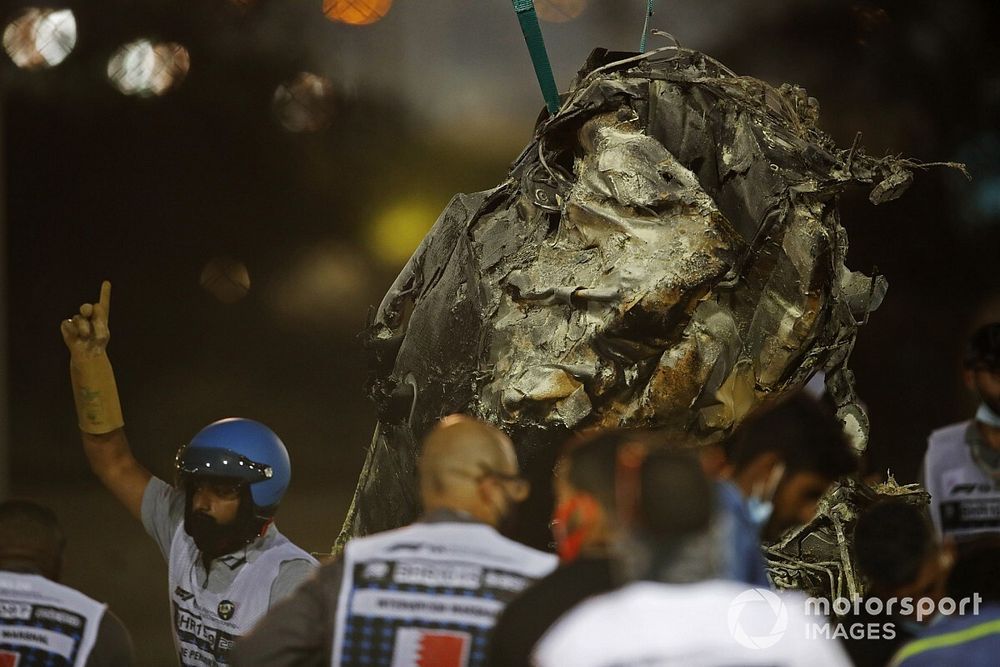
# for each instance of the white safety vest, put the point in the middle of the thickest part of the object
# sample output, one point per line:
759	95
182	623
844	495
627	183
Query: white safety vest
429	594
207	624
45	623
965	500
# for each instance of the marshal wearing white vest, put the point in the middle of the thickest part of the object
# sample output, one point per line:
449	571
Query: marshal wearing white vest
962	466
227	561
425	594
45	623
965	498
429	589
207	622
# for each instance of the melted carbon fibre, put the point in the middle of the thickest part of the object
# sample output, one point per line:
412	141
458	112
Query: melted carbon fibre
666	253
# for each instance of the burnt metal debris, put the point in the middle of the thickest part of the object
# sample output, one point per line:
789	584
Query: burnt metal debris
816	558
666	253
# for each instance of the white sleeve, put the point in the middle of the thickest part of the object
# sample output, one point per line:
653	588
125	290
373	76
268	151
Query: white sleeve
162	512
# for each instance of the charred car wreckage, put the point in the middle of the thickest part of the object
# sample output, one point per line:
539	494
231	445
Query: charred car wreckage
666	253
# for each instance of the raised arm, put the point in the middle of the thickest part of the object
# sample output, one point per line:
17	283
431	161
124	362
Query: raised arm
97	406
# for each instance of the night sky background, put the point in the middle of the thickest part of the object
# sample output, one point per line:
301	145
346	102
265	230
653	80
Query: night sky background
436	98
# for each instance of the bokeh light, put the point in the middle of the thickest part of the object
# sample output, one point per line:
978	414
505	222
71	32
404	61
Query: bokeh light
396	233
356	12
304	104
327	286
225	278
40	38
868	19
559	11
145	68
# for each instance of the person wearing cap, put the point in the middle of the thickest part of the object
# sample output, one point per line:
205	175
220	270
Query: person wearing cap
424	594
227	561
961	468
42	621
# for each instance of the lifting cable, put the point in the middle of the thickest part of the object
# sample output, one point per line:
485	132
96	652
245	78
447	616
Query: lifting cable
645	25
526	16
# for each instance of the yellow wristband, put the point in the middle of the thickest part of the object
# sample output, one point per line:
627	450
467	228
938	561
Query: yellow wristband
95	393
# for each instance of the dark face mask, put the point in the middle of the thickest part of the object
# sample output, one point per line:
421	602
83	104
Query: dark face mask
507	522
214	539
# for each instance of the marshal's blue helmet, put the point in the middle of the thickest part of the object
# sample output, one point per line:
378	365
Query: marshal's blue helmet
241	449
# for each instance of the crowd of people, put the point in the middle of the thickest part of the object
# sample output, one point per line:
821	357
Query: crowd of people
658	557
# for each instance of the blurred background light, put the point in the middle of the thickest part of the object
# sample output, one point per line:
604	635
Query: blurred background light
560	11
304	104
397	231
328	286
145	68
356	12
40	38
225	278
979	199
868	19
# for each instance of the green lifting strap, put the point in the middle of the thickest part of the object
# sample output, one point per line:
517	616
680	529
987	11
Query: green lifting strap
526	16
645	25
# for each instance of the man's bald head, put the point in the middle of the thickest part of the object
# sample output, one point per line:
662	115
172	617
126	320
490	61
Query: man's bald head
459	453
30	539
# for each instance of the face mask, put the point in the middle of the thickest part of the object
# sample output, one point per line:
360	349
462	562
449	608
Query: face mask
214	539
506	515
985	415
211	538
760	503
571	524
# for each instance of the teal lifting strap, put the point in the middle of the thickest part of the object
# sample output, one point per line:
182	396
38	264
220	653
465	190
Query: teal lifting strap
536	47
645	25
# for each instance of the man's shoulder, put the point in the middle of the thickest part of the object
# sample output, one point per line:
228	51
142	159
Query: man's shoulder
562	589
948	435
39	587
459	537
276	545
952	639
162	512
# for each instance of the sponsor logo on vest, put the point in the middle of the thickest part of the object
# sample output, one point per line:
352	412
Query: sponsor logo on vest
183	594
226	610
197	636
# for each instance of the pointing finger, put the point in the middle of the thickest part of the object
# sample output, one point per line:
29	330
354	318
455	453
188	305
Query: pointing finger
105	303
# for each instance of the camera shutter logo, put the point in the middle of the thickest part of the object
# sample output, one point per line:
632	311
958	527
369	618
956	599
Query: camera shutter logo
757	598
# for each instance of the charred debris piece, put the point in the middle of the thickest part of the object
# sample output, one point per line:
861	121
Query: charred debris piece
666	253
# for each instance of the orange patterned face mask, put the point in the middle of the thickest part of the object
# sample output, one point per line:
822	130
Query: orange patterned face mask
571	522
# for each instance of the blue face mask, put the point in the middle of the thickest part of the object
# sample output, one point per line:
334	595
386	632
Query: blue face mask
985	415
760	502
760	511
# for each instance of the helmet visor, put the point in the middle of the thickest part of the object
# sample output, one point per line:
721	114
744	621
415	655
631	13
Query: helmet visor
221	463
